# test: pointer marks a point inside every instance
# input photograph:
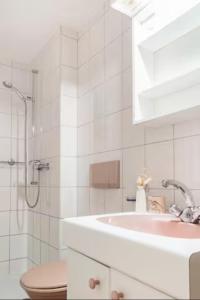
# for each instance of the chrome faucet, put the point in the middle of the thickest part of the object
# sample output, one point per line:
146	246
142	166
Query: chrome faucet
191	213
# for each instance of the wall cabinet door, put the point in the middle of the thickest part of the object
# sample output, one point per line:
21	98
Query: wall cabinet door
124	287
87	279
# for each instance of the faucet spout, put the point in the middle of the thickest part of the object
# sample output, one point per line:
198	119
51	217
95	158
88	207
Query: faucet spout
183	188
191	213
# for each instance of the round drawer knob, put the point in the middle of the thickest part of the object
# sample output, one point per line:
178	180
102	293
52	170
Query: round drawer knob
93	283
117	296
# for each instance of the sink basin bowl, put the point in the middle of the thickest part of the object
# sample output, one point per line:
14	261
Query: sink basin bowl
163	225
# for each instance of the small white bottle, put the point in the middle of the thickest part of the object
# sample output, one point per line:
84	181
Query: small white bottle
141	201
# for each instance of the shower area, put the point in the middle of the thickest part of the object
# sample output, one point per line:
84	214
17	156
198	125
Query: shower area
20	171
38	158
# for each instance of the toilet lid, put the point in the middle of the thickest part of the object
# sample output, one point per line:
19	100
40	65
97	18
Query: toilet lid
48	276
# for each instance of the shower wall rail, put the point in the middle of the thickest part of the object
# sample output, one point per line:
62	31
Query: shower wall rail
11	162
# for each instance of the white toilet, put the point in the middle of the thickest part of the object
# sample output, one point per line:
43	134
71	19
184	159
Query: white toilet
47	281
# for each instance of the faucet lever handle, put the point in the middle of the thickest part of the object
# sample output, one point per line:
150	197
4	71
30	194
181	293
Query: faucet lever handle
187	215
174	210
196	216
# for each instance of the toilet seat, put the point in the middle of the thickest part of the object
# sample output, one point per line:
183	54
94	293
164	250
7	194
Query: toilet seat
47	281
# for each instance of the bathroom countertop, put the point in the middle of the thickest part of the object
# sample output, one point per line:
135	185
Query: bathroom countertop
165	263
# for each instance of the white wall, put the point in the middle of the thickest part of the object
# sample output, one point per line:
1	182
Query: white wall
13	213
75	127
105	130
56	143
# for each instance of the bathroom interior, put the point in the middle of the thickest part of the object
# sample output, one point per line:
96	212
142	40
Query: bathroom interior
99	149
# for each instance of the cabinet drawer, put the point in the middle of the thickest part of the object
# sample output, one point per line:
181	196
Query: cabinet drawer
87	279
130	288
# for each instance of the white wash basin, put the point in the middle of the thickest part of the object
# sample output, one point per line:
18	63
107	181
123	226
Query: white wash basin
154	249
163	225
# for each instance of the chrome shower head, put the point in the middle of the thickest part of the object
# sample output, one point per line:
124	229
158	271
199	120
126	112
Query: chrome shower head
8	84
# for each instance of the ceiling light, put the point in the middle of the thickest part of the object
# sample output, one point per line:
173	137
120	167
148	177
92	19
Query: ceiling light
129	7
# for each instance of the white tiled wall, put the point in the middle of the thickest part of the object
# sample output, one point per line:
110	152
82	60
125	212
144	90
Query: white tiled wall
56	142
105	130
83	115
13	213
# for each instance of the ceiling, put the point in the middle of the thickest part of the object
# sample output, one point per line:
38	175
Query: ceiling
26	25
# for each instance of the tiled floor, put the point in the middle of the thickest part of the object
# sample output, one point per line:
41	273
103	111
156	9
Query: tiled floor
10	288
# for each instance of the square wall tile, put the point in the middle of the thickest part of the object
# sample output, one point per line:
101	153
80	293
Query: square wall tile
83	207
5	101
158	155
54	204
68	203
23	80
83	79
187	128
4	223
127	89
4	268
19	266
68	141
113	21
36	225
132	135
5	199
69	82
85	140
17	198
44	253
68	171
98	101
128	206
36	257
133	166
69	52
18	246
113	201
113	95
4	250
19	222
83	49
85	109
83	171
45	228
113	58
158	134
97	201
17	126
5	130
5	177
54	173
127	49
98	135
54	232
187	161
97	37
126	23
96	69
5	74
68	112
113	131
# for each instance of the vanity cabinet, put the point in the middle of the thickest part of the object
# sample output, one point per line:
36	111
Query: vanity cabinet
124	287
89	279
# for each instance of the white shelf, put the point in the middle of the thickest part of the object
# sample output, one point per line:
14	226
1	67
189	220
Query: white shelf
174	85
177	28
171	118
